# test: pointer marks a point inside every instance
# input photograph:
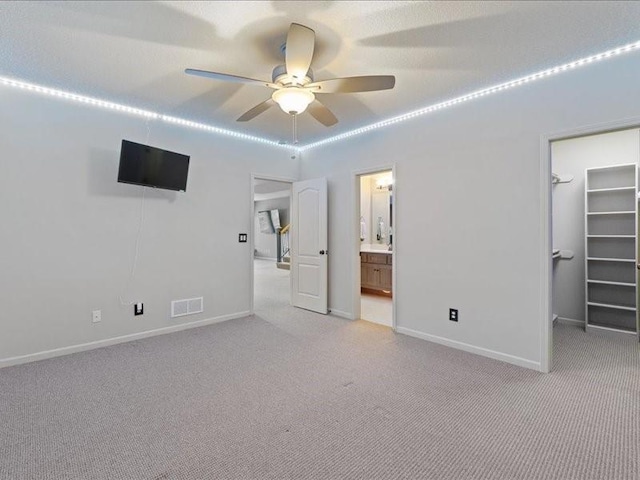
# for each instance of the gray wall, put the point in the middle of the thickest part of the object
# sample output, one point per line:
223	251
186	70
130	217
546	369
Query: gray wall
265	243
69	229
572	157
468	195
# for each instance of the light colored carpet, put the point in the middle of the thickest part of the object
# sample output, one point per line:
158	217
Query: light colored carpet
291	394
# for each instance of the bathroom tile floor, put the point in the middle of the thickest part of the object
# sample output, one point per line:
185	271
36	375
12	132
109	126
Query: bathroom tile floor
376	309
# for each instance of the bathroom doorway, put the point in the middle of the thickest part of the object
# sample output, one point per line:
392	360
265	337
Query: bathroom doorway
375	233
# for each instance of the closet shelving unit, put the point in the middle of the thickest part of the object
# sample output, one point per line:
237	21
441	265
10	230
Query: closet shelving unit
611	228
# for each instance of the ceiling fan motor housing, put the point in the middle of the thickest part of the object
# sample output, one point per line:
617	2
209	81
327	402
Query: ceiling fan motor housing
280	76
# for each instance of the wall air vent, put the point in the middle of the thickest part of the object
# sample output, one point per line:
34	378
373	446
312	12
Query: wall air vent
188	306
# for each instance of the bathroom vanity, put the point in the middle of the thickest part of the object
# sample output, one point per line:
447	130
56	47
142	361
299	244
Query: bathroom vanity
375	271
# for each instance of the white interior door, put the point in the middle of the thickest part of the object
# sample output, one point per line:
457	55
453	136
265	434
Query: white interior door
309	245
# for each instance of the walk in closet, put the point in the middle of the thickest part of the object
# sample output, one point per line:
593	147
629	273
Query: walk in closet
595	228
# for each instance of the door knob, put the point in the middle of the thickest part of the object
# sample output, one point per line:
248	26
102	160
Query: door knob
321	252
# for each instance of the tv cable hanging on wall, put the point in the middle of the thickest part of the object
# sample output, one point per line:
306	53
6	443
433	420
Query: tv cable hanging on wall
136	254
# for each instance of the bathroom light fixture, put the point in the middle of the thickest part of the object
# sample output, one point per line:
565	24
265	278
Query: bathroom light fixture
293	100
384	182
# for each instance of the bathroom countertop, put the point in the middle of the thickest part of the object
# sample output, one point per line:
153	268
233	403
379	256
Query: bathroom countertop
375	249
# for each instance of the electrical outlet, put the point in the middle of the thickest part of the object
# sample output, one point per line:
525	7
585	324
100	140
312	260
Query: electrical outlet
96	316
138	308
242	237
453	314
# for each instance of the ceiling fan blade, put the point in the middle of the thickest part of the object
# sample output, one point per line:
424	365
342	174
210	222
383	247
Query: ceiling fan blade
257	110
321	113
299	50
228	78
368	83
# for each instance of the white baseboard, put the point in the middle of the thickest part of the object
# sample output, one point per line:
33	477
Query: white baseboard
485	352
571	321
58	352
341	314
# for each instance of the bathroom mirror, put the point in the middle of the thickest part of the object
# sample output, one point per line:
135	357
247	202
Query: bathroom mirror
376	200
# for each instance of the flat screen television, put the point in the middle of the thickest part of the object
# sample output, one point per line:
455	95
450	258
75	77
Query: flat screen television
152	167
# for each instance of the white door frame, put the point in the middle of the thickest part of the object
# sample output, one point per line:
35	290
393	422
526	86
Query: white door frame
252	241
546	232
355	238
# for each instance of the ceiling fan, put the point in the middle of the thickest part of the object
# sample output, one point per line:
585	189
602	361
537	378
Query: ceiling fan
293	83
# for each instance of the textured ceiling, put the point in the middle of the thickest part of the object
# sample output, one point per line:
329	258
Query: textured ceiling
136	52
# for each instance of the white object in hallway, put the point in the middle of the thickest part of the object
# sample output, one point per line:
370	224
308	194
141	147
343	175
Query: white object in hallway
309	245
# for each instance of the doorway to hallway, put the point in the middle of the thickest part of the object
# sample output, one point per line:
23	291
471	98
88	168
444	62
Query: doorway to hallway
271	258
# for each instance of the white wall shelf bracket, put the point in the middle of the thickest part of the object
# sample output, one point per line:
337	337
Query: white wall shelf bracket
563	254
557	178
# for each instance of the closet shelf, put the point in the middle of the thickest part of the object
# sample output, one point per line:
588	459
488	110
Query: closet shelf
611	236
607	282
622	166
613	213
598	259
610	329
607	305
616	189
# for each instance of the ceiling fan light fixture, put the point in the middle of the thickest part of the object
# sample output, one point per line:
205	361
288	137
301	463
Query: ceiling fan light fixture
293	100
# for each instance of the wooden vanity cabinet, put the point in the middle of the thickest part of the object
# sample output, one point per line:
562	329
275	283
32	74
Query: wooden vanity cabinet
375	273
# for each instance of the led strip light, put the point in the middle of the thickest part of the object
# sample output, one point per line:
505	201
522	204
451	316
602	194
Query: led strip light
374	126
133	111
477	94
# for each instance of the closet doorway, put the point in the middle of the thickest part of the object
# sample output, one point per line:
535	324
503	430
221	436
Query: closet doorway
595	250
375	245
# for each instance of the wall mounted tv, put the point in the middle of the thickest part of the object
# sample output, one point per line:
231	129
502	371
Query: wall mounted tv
152	167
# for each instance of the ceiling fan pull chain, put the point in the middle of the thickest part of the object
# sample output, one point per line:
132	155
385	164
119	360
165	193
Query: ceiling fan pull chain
295	129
